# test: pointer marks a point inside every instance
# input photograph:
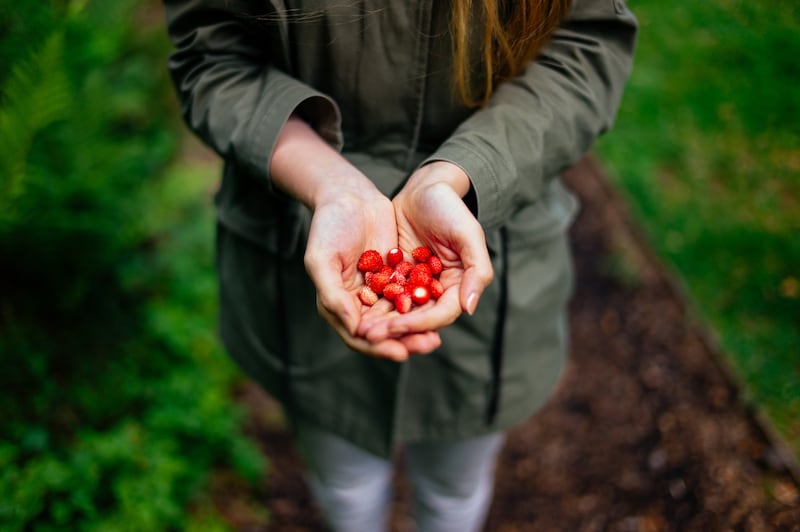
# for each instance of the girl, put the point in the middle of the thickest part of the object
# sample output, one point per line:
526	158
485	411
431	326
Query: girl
368	124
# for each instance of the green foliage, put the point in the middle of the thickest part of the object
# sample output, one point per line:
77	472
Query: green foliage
36	95
707	151
115	402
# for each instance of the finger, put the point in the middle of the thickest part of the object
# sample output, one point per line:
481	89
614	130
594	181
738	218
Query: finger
331	293
422	343
478	271
333	319
475	281
430	317
342	305
389	348
381	311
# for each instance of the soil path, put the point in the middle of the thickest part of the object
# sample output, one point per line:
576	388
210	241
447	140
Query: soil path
647	431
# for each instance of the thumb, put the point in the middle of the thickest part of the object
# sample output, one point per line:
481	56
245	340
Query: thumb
332	296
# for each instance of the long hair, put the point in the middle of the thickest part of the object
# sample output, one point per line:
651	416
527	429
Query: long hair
513	32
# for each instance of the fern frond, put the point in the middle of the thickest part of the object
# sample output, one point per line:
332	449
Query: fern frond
36	95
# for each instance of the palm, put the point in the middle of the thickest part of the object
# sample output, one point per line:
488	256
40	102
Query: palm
436	217
434	223
339	234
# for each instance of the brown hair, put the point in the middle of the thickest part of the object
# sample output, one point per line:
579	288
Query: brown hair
513	32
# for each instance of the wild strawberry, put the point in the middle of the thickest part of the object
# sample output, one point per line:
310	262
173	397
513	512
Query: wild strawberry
436	289
403	302
420	295
420	275
370	261
404	268
421	254
394	257
398	278
367	296
435	264
392	290
377	281
404	283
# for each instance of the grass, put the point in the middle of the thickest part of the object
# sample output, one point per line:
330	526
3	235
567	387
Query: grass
707	151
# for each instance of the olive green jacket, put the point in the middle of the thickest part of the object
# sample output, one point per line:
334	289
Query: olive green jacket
373	78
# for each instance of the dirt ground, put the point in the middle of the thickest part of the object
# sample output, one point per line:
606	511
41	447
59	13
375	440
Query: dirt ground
647	431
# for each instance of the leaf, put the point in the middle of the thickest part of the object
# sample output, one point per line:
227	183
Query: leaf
36	95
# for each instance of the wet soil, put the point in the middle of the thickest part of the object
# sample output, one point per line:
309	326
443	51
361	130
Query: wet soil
647	431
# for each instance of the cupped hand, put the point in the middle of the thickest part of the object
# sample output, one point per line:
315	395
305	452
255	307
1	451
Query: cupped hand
430	211
350	216
342	228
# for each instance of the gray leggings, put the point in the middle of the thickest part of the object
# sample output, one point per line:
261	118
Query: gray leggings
451	482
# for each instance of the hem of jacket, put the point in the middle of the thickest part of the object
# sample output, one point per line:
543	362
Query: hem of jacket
364	436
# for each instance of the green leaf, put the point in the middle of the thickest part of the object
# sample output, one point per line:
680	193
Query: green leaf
36	95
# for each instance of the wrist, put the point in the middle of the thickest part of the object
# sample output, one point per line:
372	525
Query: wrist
344	187
442	172
308	169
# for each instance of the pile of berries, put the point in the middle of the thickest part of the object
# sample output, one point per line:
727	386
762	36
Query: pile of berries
402	282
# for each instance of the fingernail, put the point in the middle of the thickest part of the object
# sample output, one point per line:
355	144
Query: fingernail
472	302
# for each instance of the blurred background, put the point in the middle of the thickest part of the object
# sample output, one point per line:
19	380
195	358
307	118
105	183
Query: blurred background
117	409
707	152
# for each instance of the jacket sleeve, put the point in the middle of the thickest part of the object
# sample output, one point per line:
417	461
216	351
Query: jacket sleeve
231	93
543	121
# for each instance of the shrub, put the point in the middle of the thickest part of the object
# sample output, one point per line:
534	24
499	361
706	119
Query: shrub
115	404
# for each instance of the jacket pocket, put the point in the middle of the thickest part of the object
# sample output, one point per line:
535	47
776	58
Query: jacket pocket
268	318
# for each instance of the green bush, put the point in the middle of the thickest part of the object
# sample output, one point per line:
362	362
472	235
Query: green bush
115	406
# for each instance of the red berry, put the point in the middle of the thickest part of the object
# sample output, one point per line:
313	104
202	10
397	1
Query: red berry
404	268
435	264
392	290
420	275
420	295
394	257
377	281
403	302
436	289
367	296
421	254
370	261
398	278
386	269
